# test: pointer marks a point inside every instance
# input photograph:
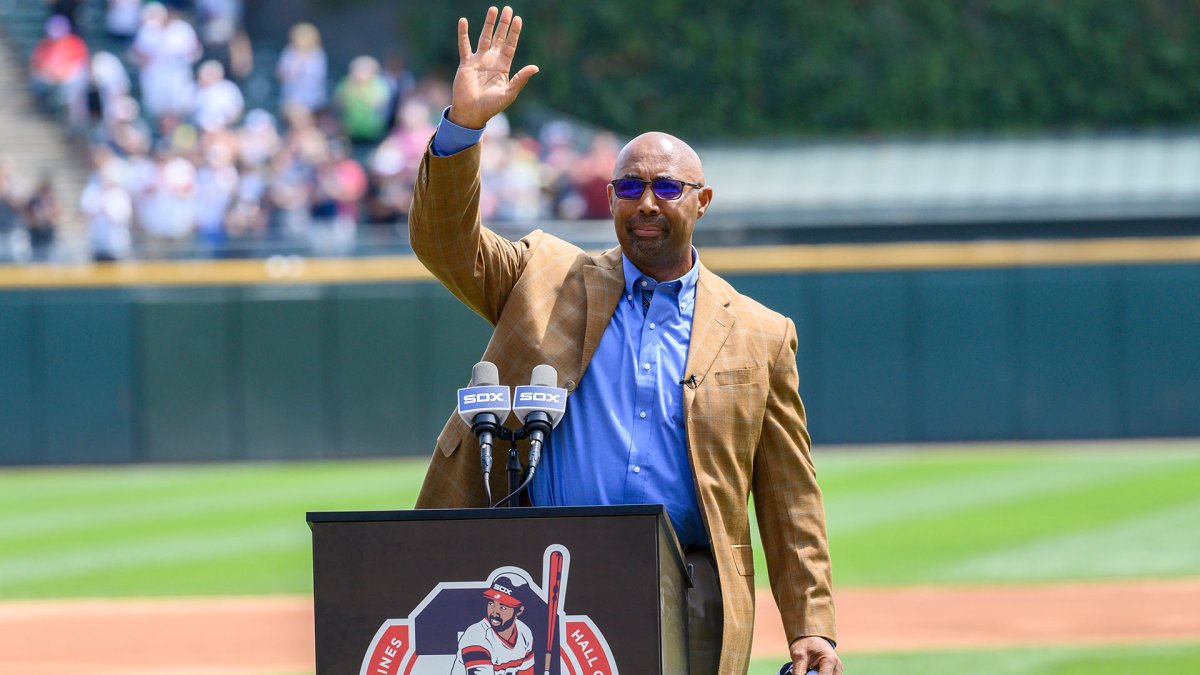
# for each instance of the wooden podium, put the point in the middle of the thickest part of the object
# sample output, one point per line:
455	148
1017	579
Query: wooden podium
600	589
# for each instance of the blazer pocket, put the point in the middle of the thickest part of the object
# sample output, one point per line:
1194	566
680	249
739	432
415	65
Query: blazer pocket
737	376
743	558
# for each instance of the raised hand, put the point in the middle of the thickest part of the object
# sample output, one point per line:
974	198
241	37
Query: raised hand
482	86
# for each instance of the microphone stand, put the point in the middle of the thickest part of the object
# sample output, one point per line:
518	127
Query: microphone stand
515	484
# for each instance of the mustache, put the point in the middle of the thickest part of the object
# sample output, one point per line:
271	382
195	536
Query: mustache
660	222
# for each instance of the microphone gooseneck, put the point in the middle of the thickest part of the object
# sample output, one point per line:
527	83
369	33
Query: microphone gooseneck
484	405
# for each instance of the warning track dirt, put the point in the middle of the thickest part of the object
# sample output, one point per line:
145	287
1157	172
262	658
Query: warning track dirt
272	635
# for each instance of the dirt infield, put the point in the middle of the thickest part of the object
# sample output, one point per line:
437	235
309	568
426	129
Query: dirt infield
265	636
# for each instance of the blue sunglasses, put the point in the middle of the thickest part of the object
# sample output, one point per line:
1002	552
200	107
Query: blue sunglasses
663	188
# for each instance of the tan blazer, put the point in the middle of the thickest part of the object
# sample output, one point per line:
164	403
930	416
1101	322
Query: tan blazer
550	302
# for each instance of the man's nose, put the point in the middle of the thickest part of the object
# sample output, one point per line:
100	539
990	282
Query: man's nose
648	203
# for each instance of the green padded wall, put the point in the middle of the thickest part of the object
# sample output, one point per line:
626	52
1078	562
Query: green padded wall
379	351
866	373
184	359
1066	351
1160	307
275	372
282	376
963	355
87	394
20	342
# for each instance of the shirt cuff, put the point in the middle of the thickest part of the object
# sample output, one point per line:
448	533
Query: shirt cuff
450	138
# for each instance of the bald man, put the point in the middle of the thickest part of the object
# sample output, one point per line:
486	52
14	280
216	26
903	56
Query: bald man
682	391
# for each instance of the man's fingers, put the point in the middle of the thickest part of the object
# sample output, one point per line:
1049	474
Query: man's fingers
464	42
485	35
510	43
518	81
506	16
826	667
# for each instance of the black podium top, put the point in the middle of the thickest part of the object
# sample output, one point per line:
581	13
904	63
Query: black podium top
314	517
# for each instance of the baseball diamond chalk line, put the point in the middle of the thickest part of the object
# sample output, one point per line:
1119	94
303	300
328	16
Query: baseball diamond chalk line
267	635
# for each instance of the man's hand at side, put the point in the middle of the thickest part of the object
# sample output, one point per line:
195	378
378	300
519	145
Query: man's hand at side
482	86
815	652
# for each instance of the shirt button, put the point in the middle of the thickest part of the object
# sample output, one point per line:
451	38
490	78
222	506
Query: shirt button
637	469
651	325
642	414
645	366
643	283
629	297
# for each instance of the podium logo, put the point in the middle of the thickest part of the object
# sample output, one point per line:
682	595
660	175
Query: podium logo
504	625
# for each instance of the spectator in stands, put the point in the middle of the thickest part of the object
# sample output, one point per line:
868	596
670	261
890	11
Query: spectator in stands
42	215
58	71
122	19
258	139
110	82
302	69
401	85
393	165
558	159
341	185
108	208
68	9
11	204
389	188
165	49
414	127
217	183
592	174
224	39
219	102
362	101
167	211
293	175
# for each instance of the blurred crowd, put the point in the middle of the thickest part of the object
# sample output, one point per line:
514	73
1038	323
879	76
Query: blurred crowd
179	167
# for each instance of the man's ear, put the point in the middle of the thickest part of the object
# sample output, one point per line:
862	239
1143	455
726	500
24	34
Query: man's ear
520	610
612	200
704	196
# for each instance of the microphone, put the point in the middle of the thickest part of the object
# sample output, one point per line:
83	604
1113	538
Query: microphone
540	406
484	404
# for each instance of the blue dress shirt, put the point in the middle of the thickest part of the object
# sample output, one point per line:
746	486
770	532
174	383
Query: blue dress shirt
623	440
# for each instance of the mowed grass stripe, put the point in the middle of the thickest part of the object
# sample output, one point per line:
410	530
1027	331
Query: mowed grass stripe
45	490
966	486
915	550
1142	660
243	522
1162	543
181	495
238	528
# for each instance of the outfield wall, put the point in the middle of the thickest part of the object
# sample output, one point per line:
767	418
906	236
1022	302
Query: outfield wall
119	365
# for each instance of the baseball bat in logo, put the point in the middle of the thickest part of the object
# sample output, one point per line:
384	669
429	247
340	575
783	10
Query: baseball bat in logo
555	582
494	627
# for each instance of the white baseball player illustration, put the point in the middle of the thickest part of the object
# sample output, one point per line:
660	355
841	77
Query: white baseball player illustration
500	644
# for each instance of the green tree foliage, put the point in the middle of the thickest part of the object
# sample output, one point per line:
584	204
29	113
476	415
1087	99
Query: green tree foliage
780	67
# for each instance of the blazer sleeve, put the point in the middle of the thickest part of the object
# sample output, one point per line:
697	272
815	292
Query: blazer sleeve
445	231
787	500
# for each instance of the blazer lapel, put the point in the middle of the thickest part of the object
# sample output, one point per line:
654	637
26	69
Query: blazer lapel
604	282
711	322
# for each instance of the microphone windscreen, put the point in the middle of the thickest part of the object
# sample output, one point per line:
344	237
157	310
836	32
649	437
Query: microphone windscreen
543	376
485	374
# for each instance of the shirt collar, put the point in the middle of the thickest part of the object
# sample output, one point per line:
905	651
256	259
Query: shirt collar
686	284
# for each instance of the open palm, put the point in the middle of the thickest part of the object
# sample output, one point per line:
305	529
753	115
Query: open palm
482	85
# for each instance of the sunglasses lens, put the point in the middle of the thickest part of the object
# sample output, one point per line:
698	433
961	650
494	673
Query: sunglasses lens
667	189
628	188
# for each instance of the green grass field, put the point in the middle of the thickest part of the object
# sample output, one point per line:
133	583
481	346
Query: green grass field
983	514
